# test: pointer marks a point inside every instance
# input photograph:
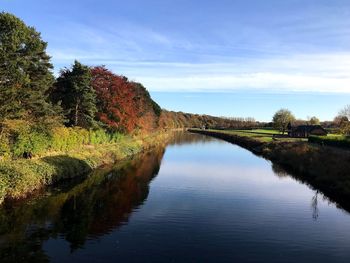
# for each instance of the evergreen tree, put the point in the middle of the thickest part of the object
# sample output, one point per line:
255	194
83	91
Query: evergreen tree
74	92
25	71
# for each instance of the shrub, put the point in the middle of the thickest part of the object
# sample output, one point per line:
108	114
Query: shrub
18	137
339	141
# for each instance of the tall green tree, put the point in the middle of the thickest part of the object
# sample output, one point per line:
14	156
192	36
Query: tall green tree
74	92
281	119
25	71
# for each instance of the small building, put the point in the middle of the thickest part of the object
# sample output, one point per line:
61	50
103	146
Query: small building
304	131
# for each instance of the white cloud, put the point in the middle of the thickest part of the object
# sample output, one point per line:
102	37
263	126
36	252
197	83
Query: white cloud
299	73
265	81
128	49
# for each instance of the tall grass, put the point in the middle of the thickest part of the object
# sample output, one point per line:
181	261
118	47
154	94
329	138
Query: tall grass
18	137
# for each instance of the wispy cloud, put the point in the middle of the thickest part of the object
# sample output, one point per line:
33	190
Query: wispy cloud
304	51
313	73
263	81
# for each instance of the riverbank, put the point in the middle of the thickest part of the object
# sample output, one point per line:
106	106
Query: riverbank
20	178
324	168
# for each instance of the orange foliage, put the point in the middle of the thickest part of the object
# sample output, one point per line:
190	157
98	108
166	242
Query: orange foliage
123	105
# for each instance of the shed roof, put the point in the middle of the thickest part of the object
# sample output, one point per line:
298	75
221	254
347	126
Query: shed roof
308	128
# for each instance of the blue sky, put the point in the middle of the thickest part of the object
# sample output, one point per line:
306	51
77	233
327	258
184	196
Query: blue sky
224	57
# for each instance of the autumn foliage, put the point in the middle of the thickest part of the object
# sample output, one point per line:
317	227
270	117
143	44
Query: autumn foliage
177	120
123	105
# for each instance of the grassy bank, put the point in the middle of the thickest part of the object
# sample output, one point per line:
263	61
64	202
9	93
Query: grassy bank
331	140
324	168
262	135
20	177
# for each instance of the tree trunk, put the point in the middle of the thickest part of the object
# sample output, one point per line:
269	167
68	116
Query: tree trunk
76	113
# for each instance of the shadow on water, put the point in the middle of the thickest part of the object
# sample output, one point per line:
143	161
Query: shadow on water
331	197
68	166
90	209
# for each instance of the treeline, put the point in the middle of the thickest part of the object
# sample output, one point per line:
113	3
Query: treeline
94	97
171	120
83	105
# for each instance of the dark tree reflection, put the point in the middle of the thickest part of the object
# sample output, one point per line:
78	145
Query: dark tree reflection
279	171
314	206
92	208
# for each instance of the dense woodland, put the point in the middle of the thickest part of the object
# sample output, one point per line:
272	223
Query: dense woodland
83	105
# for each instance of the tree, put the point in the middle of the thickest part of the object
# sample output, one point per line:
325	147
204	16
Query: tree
74	92
345	112
314	121
112	93
25	71
281	119
123	105
339	120
343	120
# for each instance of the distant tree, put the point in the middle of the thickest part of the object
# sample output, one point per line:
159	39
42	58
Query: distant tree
345	129
25	71
339	120
314	121
298	122
343	120
281	119
345	112
74	92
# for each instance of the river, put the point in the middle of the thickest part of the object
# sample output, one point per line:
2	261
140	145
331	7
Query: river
198	200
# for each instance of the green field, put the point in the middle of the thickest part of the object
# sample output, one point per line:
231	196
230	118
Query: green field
263	135
269	135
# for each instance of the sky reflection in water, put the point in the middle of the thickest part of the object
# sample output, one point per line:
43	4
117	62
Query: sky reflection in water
210	202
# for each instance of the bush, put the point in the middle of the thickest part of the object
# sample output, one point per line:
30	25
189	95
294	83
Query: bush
18	137
4	147
32	141
339	141
64	139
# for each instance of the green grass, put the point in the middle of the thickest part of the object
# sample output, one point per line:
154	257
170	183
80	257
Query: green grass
263	131
334	135
331	140
262	135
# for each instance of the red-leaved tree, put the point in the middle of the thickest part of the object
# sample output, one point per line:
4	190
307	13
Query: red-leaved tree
123	105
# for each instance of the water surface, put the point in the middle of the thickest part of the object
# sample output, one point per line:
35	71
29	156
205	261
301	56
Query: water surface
198	200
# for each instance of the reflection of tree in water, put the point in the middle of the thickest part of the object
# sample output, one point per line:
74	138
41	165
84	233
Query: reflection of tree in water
314	206
331	197
184	137
98	205
279	171
282	173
